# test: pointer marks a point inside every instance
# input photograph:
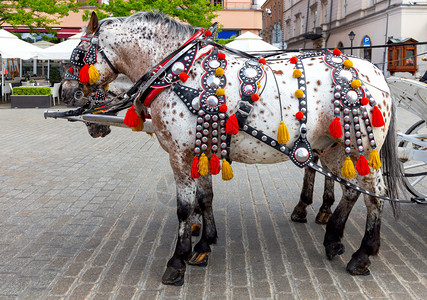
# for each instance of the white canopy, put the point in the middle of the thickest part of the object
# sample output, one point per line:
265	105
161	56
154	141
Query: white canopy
251	42
61	51
12	47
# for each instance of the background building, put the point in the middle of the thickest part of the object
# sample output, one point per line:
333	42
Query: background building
328	23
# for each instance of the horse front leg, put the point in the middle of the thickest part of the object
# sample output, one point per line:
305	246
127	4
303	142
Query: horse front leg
335	226
186	192
325	211
299	213
204	196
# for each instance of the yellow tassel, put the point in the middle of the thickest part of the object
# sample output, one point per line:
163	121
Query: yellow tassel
93	74
203	165
227	171
348	170
355	84
297	73
219	72
348	64
374	159
140	126
282	133
106	87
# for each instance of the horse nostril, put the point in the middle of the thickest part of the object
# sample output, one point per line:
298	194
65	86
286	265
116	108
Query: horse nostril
78	95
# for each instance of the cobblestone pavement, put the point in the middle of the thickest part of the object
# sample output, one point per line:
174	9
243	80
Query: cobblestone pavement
84	218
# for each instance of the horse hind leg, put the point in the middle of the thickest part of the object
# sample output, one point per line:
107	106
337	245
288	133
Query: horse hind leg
299	213
204	196
359	263
185	187
335	226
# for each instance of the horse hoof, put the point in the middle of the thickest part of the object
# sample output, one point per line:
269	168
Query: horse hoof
356	267
173	276
334	250
199	259
195	229
299	216
323	217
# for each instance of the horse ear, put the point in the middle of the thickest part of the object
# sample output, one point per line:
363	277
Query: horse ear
93	24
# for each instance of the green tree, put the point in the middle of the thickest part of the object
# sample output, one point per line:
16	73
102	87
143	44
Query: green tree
35	13
195	12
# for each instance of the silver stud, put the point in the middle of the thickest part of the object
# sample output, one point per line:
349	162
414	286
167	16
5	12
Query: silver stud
207	117
369	128
359	141
223	145
199	127
204	147
198	135
360	148
347	134
273	143
214	125
221	115
264	138
206	125
371	136
245	127
205	132
337	110
200	120
347	142
367	121
197	150
301	154
224	152
346	118
214	148
356	119
254	132
358	134
373	143
346	126
214	140
198	142
214	132
201	112
215	118
347	150
357	126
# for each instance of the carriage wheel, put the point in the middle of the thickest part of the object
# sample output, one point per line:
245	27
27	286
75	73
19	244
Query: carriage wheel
415	171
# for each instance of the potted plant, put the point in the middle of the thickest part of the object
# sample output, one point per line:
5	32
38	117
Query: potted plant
32	82
31	97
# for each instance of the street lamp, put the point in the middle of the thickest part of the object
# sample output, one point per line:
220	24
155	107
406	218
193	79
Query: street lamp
351	35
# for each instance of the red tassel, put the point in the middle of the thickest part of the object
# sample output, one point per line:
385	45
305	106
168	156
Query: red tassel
215	166
221	56
377	117
335	128
183	76
262	61
84	74
131	117
336	52
362	166
232	126
195	168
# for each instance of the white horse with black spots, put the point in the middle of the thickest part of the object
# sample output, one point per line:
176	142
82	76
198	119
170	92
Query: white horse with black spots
134	46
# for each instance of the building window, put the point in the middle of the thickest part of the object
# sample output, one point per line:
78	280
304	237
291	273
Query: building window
216	2
324	9
340	45
402	57
313	16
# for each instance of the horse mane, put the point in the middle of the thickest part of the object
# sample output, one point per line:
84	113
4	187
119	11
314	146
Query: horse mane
155	18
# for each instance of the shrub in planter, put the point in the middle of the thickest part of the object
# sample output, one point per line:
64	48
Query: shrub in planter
31	90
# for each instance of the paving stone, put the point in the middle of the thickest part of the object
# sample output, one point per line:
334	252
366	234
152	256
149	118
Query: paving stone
84	218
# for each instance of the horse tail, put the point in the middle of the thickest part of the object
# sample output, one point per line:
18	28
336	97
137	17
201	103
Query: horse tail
392	168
